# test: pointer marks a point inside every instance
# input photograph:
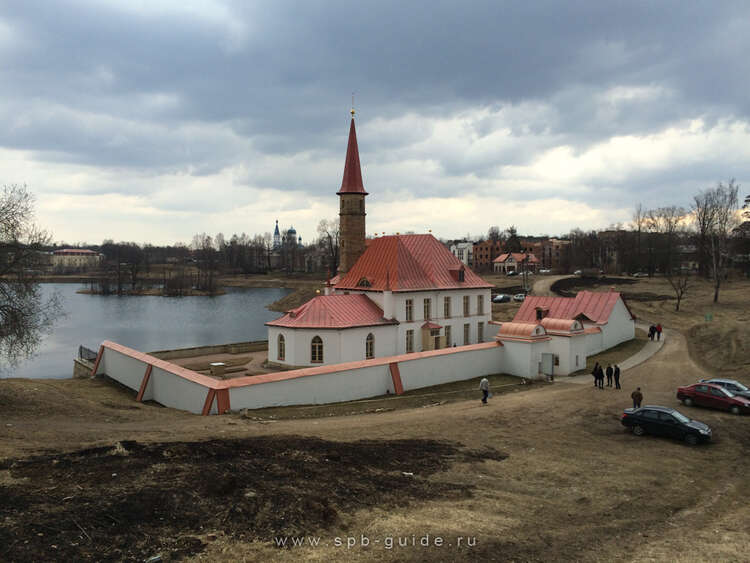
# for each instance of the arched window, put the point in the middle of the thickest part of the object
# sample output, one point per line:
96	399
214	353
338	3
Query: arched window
370	347
281	348
316	350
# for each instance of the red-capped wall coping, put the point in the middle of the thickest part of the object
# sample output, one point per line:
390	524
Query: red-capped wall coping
180	371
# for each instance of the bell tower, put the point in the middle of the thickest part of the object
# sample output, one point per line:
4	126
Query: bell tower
351	207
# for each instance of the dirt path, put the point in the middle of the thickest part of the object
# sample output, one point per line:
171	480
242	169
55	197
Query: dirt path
543	285
574	484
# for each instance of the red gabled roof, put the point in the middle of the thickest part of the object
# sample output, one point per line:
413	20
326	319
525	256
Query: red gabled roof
409	263
334	311
352	181
596	306
518	257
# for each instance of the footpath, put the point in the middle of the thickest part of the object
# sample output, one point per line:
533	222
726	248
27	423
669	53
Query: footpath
651	348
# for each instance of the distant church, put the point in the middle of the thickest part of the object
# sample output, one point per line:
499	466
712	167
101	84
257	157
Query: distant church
396	295
285	249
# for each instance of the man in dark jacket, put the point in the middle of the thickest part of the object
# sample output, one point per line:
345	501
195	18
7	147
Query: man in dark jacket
617	377
595	373
601	377
637	397
610	372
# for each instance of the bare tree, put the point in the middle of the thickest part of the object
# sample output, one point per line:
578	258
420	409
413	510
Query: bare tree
25	314
639	218
714	213
328	231
670	223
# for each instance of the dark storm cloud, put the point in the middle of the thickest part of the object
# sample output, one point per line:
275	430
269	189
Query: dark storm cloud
168	89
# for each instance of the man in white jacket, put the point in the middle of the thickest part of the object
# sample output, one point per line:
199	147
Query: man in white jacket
484	385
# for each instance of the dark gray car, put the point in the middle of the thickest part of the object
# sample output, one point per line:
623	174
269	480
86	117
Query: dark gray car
732	385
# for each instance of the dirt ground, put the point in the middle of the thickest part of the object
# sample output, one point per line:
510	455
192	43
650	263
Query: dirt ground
546	474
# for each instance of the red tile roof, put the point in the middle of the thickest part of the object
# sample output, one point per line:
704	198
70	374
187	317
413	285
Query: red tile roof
352	181
596	306
410	263
430	324
334	311
517	256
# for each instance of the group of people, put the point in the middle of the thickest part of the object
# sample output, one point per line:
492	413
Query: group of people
654	331
612	374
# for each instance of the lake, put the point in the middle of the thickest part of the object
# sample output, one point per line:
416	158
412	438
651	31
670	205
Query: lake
147	323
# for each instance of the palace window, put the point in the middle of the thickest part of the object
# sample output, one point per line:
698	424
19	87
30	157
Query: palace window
480	332
480	304
316	350
467	329
466	306
409	309
281	348
447	307
370	347
448	336
409	341
427	309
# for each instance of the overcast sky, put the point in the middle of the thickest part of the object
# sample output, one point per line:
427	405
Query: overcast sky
152	120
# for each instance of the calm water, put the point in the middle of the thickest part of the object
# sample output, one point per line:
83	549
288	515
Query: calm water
147	323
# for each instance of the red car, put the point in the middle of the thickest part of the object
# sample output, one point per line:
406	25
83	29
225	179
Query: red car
708	395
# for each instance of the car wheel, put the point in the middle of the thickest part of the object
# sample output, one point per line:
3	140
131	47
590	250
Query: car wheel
735	409
691	439
639	430
688	402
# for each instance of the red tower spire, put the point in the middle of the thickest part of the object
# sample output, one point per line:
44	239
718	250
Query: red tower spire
352	181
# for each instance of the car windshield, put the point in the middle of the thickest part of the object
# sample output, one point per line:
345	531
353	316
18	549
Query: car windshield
681	417
740	386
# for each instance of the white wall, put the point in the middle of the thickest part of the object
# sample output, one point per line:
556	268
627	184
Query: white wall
339	346
370	381
163	387
620	328
567	348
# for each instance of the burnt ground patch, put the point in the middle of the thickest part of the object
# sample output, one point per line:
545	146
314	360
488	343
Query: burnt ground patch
132	501
569	287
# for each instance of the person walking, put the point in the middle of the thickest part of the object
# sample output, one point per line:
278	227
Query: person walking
595	373
658	331
484	385
601	377
617	377
637	397
610	372
651	331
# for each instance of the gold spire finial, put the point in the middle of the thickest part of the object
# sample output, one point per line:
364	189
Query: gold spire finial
352	112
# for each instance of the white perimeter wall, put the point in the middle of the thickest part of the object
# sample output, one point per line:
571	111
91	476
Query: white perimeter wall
370	381
163	387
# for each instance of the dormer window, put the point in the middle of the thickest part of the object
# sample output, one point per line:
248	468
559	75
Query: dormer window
460	275
364	282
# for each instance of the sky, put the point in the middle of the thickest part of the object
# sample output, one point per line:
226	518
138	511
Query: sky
151	121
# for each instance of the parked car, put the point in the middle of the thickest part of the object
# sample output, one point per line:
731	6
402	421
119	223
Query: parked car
511	273
544	271
735	387
710	395
501	298
665	421
640	275
519	297
578	273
